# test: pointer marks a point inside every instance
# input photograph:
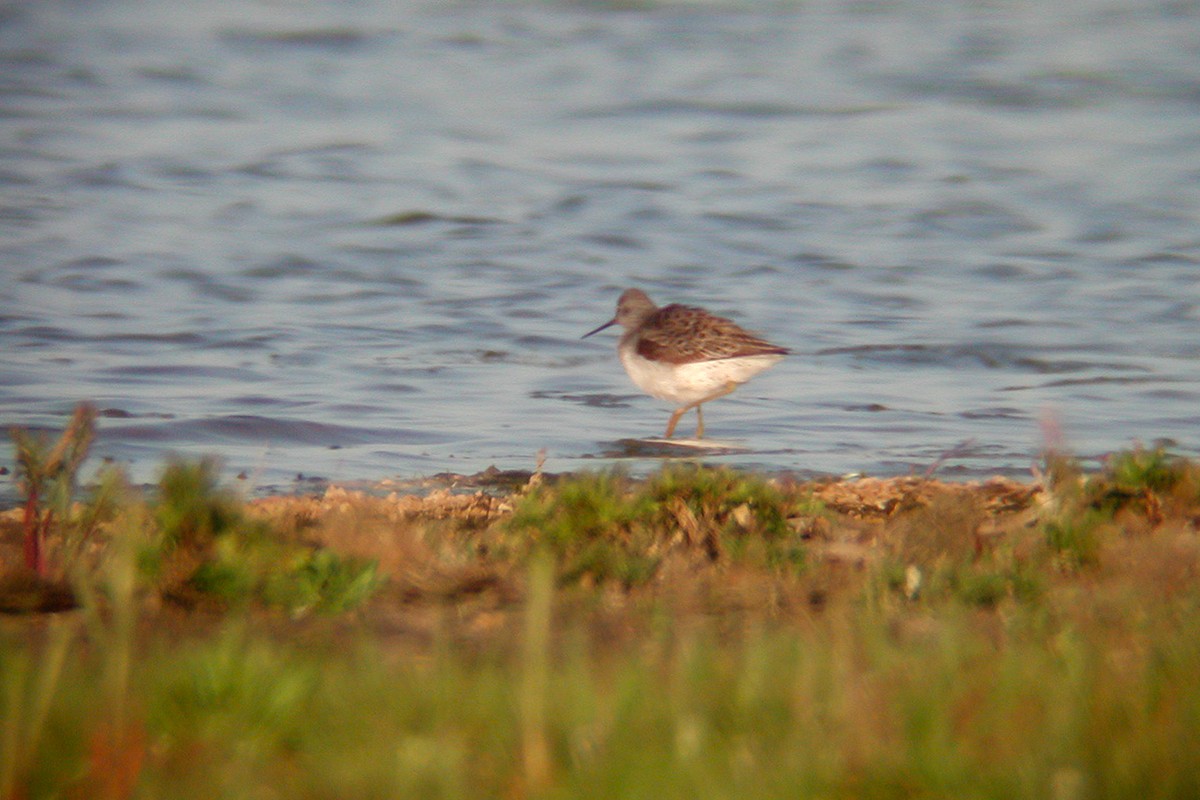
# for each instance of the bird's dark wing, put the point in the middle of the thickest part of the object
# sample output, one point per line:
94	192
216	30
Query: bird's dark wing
678	334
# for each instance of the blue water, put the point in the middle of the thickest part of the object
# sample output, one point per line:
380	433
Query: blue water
357	240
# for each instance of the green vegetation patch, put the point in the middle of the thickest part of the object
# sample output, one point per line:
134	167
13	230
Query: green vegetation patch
596	525
603	526
242	559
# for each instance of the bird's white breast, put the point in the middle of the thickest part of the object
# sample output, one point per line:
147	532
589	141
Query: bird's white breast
683	384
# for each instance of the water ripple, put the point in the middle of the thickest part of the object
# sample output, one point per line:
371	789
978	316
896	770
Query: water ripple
364	239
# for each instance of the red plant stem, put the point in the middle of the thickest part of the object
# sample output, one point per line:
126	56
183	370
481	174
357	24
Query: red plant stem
35	532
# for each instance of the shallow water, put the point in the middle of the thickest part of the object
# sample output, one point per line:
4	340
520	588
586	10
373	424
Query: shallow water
360	240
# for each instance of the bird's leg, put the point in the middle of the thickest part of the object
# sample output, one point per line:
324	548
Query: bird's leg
674	420
724	390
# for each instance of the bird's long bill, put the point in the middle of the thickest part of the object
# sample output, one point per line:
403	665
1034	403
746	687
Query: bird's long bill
611	322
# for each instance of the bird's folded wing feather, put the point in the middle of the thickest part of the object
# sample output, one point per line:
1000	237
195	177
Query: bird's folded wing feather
678	334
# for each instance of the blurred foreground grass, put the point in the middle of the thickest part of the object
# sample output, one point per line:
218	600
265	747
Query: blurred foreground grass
701	633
